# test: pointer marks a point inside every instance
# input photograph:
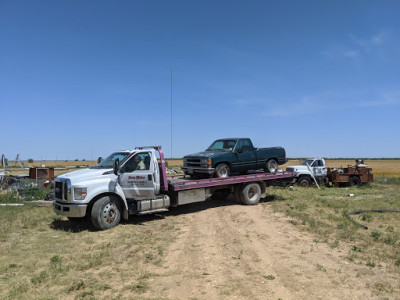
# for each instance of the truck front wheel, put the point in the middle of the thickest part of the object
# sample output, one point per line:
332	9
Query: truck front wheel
251	194
304	181
106	213
271	166
222	170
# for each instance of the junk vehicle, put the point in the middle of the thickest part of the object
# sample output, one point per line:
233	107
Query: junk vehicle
225	156
315	168
138	185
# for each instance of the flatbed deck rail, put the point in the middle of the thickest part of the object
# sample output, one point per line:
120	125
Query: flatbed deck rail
182	183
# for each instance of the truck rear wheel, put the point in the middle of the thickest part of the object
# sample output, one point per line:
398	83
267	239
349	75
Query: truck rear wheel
304	181
222	170
251	194
354	181
271	166
106	213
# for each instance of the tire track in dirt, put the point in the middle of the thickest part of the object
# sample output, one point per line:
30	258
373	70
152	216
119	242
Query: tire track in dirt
250	252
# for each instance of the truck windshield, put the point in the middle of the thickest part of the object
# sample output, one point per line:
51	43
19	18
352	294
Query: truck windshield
307	162
108	162
222	145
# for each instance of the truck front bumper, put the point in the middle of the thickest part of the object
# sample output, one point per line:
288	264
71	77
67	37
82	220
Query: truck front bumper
70	210
194	170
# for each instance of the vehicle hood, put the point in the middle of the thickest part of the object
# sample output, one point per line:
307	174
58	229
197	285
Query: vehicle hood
86	174
298	168
205	154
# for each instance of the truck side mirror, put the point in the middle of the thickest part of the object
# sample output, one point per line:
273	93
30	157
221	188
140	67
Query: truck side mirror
239	151
99	160
115	166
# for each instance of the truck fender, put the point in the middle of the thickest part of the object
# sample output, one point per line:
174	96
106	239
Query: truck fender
303	173
115	190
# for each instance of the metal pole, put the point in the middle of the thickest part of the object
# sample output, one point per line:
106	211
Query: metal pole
312	175
171	112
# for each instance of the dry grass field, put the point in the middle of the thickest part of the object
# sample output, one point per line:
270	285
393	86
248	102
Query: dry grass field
298	243
380	167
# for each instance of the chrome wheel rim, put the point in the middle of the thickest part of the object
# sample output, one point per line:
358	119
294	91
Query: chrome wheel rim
110	213
222	171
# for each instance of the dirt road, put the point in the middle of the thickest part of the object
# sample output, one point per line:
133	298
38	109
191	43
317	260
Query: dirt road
229	251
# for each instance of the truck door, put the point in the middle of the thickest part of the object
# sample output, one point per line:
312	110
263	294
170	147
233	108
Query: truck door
138	177
319	168
246	156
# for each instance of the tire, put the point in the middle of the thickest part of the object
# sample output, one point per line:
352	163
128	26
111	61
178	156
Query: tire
354	181
304	181
251	194
271	166
222	170
106	213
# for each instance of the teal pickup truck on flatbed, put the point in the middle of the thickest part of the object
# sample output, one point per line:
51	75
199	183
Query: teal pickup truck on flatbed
226	156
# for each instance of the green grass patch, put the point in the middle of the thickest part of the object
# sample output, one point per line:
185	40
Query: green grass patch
325	213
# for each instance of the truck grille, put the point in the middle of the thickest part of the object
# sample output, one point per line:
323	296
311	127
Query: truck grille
62	190
192	162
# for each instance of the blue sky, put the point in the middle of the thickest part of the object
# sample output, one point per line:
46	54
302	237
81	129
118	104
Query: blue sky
80	79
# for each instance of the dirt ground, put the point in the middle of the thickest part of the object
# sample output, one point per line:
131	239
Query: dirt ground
228	251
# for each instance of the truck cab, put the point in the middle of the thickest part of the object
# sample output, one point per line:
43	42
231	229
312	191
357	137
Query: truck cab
113	189
313	167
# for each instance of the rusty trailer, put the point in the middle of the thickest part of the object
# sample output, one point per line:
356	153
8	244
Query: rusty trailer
351	176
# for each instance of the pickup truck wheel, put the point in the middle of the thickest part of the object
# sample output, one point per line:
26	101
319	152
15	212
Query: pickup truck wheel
251	194
354	181
222	170
106	213
304	181
272	166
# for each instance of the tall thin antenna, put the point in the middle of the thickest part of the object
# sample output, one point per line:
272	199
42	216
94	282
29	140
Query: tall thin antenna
171	112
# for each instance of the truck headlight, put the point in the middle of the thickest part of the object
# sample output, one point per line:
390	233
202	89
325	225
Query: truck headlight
80	193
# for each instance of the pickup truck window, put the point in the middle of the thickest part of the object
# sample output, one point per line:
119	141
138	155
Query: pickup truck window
244	146
313	163
307	162
222	145
108	162
137	162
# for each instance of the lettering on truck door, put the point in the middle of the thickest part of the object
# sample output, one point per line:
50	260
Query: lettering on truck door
137	177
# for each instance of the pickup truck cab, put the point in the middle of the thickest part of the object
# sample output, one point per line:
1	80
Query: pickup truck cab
310	167
225	156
